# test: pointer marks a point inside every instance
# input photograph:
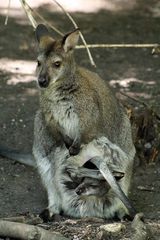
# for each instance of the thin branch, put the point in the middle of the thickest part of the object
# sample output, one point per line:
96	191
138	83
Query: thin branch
20	219
7	14
46	22
134	99
33	220
136	45
148	189
28	13
81	35
26	231
142	103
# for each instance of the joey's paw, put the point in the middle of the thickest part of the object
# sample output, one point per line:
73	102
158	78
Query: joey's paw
74	148
46	217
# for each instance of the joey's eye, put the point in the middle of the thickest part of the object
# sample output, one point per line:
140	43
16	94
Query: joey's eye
38	63
57	64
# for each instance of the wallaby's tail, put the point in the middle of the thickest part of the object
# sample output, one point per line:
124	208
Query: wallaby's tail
15	155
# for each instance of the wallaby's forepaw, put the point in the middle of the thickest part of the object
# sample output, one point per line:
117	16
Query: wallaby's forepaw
47	217
72	145
68	141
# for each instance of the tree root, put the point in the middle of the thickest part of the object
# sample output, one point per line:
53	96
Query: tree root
27	232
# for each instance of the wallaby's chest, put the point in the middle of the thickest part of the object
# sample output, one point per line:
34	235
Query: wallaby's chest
61	117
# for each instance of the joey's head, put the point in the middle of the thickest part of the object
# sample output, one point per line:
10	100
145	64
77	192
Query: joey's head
55	60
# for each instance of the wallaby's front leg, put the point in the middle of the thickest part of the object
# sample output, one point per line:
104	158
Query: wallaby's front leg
43	151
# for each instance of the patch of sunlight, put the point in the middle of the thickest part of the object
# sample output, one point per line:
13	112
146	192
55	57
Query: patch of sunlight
72	5
18	70
96	5
15	79
127	81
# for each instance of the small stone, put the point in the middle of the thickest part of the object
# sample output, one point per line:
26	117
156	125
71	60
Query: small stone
148	145
75	237
141	230
70	222
88	226
111	229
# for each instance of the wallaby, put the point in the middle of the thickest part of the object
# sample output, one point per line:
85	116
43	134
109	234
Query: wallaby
107	157
76	107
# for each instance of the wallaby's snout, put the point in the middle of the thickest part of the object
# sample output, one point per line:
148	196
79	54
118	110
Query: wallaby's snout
43	81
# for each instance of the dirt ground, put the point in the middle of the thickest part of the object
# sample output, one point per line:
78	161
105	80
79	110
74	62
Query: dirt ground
133	71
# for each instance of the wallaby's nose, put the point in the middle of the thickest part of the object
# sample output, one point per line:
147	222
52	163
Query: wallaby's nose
43	82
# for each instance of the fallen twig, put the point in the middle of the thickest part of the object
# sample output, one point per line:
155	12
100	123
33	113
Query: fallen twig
25	231
20	219
148	189
31	219
81	35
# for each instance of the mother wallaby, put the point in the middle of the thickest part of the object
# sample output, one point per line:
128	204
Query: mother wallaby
76	107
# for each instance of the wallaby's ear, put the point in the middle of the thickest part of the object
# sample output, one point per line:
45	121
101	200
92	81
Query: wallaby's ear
40	31
43	37
70	40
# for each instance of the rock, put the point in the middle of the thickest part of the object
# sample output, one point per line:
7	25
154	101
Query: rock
110	230
141	230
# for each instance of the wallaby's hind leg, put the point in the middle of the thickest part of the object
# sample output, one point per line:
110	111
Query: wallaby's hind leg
43	151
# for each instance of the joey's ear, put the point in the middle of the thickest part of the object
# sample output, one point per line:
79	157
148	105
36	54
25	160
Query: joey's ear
70	40
43	37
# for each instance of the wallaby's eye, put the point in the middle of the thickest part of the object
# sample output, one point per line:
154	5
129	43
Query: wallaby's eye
38	63
57	64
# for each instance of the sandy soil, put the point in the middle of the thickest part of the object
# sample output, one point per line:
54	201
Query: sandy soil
133	71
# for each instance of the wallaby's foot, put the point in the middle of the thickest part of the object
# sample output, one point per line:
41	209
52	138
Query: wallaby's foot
118	216
46	217
121	214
